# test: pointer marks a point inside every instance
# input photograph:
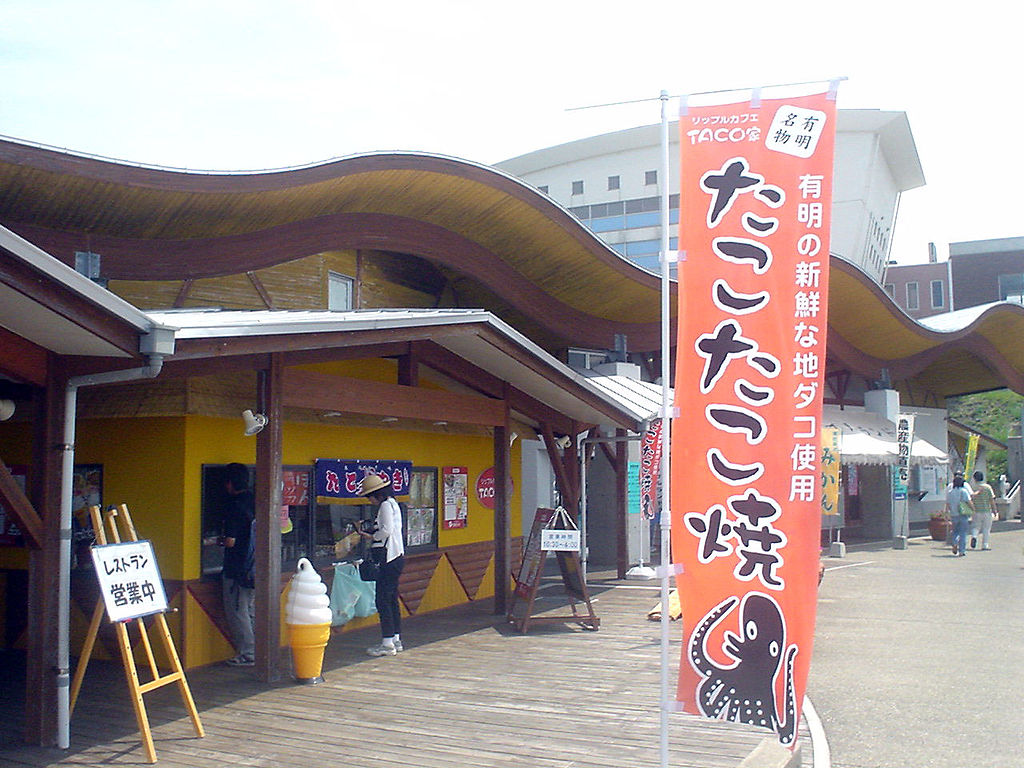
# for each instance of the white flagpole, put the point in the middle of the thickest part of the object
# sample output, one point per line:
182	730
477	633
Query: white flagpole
666	421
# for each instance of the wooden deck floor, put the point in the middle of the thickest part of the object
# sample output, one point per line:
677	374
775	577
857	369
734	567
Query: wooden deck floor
467	691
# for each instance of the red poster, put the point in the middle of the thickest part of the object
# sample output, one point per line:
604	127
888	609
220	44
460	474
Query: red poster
755	204
650	469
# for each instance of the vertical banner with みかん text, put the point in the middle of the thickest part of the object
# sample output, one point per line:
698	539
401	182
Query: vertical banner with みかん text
755	205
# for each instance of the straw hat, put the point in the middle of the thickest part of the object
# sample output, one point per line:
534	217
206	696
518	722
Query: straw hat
373	483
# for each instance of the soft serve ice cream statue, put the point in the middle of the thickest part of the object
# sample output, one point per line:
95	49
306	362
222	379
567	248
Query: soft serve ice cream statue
308	615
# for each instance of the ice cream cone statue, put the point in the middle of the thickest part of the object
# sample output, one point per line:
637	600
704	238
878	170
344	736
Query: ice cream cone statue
308	616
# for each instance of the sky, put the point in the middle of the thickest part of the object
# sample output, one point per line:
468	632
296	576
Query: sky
251	85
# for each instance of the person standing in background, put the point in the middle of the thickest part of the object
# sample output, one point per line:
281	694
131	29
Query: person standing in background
959	508
983	498
387	548
239	594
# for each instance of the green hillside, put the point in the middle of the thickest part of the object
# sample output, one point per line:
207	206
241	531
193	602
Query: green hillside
991	413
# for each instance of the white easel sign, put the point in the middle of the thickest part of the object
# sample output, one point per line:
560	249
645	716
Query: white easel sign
559	541
129	580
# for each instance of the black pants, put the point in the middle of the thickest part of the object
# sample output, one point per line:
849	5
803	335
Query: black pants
387	597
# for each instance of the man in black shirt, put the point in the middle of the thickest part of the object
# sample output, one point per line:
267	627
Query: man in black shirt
239	596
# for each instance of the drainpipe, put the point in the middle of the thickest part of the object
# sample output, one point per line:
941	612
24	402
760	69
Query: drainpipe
156	344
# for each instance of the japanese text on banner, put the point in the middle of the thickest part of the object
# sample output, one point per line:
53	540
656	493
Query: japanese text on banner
755	205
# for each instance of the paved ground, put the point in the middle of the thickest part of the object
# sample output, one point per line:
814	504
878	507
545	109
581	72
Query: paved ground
919	657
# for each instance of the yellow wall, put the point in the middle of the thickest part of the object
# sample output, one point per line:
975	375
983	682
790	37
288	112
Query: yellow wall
154	465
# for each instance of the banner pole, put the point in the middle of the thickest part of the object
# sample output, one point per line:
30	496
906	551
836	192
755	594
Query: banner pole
666	421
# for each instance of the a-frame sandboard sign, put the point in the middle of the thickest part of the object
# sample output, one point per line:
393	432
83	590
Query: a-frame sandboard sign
553	531
131	590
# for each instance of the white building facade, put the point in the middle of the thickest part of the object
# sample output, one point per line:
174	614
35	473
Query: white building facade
611	183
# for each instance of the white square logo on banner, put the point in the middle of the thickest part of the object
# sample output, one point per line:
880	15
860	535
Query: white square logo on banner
129	580
795	131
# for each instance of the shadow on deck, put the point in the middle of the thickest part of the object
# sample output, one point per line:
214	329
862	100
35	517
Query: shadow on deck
467	691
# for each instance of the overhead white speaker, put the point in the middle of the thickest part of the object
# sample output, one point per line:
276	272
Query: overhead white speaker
254	422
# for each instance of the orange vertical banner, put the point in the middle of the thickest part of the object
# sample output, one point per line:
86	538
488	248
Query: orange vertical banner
755	206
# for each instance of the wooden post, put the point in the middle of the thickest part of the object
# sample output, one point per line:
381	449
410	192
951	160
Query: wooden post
502	529
268	529
621	465
44	564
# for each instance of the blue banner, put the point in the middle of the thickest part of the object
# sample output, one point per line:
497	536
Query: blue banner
338	480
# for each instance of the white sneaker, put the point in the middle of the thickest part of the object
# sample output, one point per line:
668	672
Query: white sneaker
382	650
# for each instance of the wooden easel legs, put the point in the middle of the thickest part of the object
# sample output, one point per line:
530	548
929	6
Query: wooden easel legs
135	688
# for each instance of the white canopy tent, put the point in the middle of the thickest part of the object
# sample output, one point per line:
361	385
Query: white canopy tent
867	438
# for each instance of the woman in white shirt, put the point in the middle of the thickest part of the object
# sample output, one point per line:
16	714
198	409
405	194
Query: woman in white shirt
388	550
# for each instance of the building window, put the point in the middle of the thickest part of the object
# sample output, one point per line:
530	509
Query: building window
613	183
543	189
938	294
577	187
650	177
912	300
339	292
1011	288
891	290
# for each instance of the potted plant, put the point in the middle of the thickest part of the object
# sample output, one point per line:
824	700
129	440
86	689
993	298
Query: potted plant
939	526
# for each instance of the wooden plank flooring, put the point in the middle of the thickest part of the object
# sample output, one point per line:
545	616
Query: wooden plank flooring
467	691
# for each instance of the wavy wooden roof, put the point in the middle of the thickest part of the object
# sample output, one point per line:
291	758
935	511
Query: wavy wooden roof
154	223
521	247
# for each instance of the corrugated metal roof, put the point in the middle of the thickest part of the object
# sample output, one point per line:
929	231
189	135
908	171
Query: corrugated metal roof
641	398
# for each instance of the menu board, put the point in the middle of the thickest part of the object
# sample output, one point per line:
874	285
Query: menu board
533	555
456	497
421	511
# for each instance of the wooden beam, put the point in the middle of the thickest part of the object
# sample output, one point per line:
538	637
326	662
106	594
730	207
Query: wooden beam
224	347
409	369
44	564
258	285
268	528
502	521
18	506
320	391
183	292
21	359
563	478
454	367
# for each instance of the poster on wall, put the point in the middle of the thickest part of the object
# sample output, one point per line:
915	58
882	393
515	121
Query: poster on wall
485	487
456	497
10	534
338	481
754	220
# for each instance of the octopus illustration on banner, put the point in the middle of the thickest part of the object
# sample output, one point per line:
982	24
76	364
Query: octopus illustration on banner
755	203
745	689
